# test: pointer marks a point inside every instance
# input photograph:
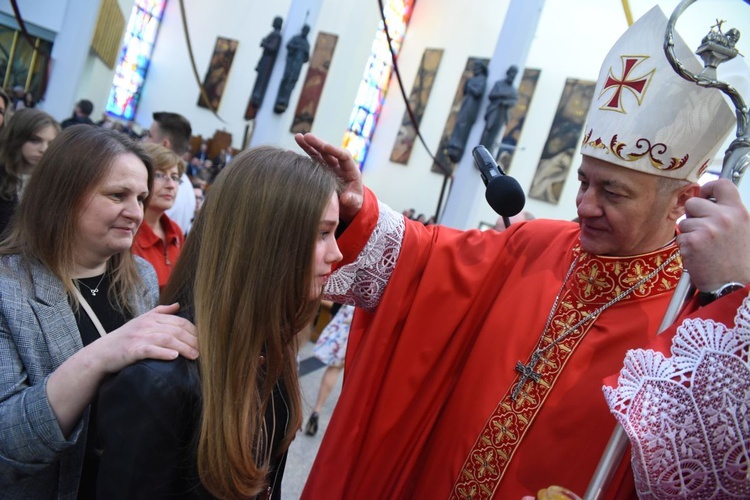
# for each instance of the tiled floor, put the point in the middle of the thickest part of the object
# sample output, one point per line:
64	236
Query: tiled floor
303	449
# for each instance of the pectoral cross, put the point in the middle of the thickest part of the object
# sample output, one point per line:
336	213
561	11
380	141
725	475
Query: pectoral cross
527	372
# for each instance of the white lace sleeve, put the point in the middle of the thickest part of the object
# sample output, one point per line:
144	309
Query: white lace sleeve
688	416
362	282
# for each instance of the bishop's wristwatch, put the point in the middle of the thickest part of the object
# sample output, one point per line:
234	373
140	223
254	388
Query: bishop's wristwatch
705	298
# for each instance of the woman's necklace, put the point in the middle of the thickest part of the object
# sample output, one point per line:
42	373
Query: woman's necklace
93	291
527	371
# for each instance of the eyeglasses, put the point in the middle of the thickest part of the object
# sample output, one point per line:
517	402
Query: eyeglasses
163	178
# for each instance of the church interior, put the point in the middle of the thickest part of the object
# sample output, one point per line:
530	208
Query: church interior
349	92
388	80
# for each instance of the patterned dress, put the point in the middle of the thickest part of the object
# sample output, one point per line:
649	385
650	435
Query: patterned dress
331	345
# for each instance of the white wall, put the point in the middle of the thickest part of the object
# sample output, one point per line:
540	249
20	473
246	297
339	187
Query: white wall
462	30
48	14
170	84
572	40
96	77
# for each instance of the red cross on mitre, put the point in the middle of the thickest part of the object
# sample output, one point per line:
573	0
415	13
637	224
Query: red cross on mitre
636	85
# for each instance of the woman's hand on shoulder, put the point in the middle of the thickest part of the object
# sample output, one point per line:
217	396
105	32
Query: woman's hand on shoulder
341	163
157	334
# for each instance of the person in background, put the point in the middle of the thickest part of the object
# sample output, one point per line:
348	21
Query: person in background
251	274
520	217
81	114
200	194
75	306
4	108
18	95
408	213
330	348
23	143
160	239
28	100
202	153
173	131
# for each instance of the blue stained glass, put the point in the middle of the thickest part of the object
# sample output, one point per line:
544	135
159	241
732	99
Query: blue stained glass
135	55
377	74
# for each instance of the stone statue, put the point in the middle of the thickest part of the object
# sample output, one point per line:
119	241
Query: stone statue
503	97
271	45
474	88
297	54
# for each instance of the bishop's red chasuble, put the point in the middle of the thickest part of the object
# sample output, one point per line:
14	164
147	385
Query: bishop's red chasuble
427	407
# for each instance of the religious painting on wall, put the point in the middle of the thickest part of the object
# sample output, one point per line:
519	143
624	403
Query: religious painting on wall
218	72
420	93
317	72
442	156
562	141
517	118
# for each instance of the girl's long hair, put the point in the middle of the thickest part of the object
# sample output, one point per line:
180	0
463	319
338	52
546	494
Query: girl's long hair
25	123
247	265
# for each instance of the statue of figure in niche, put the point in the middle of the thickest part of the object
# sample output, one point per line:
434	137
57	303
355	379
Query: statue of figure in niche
297	54
503	97
271	45
474	88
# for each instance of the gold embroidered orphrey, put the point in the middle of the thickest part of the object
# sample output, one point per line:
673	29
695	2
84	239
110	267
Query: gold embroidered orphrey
597	281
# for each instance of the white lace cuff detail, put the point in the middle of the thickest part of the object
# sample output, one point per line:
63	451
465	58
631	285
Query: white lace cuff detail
688	416
362	282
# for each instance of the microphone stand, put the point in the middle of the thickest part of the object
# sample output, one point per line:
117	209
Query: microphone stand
714	50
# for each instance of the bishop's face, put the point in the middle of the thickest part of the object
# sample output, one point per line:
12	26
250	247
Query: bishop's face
621	211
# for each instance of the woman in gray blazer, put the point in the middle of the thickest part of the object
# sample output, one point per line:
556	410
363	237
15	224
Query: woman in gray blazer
67	277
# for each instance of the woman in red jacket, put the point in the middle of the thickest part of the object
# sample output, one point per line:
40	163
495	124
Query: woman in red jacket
159	239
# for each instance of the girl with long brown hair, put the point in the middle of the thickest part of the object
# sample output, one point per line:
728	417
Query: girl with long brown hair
250	274
23	141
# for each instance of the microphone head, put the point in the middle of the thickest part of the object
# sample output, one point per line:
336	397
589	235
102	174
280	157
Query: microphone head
505	196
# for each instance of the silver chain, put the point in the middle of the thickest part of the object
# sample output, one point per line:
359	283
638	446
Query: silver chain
527	371
93	291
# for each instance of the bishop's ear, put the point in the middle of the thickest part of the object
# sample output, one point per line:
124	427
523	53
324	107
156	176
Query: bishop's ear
681	195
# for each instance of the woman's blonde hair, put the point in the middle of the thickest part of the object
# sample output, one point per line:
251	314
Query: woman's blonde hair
248	265
46	224
164	158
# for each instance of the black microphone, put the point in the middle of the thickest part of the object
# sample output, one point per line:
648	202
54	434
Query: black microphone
503	193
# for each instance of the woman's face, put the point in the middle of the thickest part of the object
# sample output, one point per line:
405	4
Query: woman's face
112	213
199	197
326	249
33	149
166	183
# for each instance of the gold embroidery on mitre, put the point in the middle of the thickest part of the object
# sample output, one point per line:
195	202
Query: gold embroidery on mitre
505	428
637	86
643	147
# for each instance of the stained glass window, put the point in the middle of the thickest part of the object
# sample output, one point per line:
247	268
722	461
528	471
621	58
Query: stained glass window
375	80
135	55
